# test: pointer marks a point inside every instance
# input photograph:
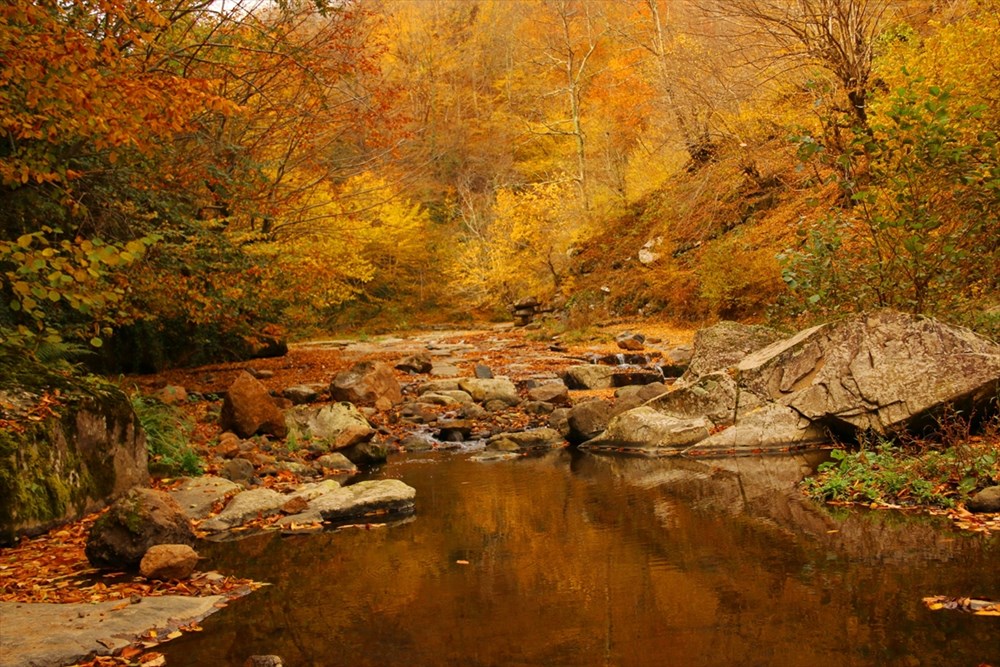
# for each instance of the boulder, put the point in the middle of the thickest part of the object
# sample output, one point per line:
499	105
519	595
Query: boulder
522	441
248	409
633	396
333	427
238	470
880	372
487	390
457	397
559	420
438	386
768	427
418	442
589	376
367	453
419	412
645	428
455	430
630	341
723	345
171	395
264	661
336	462
550	392
537	407
301	393
987	500
140	519
587	419
416	363
445	370
367	383
197	495
715	396
88	451
483	372
168	561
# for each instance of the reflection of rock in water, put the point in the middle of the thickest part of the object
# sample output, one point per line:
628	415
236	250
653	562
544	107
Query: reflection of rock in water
764	491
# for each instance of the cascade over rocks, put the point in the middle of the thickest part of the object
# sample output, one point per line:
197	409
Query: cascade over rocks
882	372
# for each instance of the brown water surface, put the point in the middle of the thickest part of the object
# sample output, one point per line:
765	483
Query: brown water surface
586	560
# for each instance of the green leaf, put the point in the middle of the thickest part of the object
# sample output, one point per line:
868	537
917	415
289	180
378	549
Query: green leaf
96	342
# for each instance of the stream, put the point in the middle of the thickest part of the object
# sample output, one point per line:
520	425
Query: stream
575	559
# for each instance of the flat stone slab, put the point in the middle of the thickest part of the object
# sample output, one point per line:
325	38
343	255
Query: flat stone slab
358	501
244	507
197	495
45	634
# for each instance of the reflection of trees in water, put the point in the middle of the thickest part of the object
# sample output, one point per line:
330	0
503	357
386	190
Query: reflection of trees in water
595	560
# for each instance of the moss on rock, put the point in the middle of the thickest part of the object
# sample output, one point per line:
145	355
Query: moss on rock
61	459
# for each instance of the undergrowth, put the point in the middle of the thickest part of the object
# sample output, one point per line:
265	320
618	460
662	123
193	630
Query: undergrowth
167	437
911	472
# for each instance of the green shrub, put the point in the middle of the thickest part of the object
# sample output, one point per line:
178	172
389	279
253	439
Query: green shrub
893	473
168	434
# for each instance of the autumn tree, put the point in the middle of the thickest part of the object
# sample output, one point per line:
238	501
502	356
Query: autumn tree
838	36
922	222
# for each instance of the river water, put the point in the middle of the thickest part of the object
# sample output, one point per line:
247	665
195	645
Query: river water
574	559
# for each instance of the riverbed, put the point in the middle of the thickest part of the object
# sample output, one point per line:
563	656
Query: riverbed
576	559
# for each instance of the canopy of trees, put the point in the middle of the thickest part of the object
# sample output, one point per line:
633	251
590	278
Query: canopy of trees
189	177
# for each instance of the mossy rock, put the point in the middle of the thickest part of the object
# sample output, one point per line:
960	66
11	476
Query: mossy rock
64	456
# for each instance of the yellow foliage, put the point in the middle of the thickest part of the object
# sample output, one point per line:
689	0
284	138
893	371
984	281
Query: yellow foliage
738	280
524	250
364	234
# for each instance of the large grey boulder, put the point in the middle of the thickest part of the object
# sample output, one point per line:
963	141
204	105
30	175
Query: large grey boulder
88	451
881	372
553	391
140	519
45	633
724	345
987	500
334	426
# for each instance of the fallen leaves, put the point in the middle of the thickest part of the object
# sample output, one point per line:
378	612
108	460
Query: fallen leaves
975	606
54	568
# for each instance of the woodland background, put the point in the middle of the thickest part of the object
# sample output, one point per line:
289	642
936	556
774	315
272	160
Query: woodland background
182	180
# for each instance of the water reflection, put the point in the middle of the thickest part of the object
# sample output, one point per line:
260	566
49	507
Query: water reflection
587	560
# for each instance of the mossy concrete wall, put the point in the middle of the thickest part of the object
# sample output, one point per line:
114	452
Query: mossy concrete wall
87	452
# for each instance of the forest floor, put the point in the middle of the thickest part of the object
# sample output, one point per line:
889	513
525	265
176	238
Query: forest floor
53	567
